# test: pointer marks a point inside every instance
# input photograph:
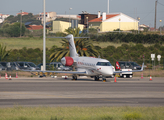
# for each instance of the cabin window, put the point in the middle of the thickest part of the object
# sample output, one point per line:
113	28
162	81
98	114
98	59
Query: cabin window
103	64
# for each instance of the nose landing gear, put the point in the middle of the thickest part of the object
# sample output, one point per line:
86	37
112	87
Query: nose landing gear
104	79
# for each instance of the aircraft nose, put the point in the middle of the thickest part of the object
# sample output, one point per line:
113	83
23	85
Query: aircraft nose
107	70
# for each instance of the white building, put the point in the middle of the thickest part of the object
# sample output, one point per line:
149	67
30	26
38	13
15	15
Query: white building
49	16
3	17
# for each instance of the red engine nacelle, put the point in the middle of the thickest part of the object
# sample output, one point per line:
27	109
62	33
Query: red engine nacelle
67	61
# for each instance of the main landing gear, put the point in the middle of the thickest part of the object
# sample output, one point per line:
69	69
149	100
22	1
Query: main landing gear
96	78
74	77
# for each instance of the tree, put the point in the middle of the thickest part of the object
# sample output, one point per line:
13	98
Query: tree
73	31
83	46
3	52
13	30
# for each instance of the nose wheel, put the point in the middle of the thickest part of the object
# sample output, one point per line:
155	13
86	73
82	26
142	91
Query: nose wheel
104	79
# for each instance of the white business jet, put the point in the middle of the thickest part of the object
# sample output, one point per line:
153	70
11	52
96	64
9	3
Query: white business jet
87	66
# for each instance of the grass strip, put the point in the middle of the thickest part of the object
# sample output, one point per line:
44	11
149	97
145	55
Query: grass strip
82	113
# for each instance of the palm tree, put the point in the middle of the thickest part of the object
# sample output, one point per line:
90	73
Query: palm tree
83	46
58	53
3	52
73	31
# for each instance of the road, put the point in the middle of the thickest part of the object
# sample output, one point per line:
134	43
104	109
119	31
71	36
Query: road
83	92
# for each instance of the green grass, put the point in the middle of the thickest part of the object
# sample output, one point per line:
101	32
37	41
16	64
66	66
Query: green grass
37	42
82	113
19	43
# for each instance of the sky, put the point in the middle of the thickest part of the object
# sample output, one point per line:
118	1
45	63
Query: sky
144	9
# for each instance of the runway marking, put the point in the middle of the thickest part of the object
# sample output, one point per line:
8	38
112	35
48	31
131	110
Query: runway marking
118	101
34	93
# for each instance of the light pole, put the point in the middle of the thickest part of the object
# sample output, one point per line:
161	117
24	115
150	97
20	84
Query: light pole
21	24
108	7
69	16
138	24
119	24
87	24
44	37
160	26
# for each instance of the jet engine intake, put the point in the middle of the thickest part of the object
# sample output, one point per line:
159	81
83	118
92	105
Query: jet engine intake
67	61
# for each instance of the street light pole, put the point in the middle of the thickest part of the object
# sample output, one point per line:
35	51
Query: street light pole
87	24
44	38
21	24
69	16
108	7
138	24
160	26
119	24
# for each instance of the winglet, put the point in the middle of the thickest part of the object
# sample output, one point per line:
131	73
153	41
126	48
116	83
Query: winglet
142	66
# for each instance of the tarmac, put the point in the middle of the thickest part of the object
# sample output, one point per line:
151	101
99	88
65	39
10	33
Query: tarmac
47	91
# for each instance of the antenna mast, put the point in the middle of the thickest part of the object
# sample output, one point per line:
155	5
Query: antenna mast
155	15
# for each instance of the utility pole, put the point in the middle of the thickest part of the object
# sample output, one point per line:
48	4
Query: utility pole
21	24
44	37
108	7
155	15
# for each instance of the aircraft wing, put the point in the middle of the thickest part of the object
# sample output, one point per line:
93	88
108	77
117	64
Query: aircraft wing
67	72
130	71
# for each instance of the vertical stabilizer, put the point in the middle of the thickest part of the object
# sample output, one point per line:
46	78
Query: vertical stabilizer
72	47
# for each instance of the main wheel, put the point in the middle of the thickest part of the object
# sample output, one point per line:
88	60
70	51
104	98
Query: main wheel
96	78
130	76
124	76
74	77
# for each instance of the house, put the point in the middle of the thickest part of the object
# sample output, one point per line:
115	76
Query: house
142	27
23	13
34	27
3	17
152	29
60	26
75	17
49	16
113	21
85	17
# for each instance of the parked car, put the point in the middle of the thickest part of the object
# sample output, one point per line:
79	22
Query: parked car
135	66
1	67
4	65
47	66
59	66
27	66
12	66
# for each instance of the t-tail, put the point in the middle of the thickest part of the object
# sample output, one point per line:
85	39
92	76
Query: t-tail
72	47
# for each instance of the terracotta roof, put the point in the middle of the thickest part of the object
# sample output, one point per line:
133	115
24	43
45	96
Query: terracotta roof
100	18
143	25
23	13
35	27
78	16
43	13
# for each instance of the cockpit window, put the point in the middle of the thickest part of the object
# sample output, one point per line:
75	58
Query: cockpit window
104	64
